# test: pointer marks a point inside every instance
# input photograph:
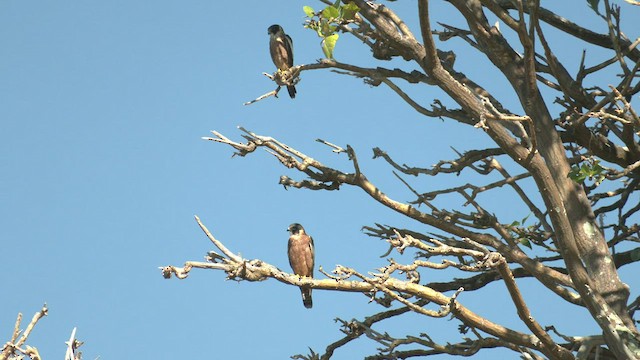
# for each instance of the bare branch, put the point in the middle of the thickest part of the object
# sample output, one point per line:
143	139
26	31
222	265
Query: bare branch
15	345
445	166
563	24
336	149
498	261
257	270
217	243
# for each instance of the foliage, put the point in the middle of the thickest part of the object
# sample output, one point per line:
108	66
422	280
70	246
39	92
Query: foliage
328	22
522	234
588	170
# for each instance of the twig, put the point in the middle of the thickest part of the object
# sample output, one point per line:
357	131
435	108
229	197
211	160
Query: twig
264	96
217	243
72	345
282	78
336	149
37	316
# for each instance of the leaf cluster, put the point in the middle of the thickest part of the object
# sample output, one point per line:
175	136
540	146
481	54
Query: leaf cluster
524	234
588	170
327	23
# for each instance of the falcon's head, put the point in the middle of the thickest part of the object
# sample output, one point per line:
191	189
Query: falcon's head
274	30
295	228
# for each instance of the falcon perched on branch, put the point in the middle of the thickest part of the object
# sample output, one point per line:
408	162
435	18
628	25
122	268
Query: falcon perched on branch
281	48
301	256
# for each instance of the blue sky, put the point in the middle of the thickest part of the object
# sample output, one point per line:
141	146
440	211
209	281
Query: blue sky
102	107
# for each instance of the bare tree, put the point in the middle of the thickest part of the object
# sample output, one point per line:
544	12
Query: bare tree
567	155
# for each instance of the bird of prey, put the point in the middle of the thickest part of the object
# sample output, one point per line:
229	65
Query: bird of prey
281	48
301	257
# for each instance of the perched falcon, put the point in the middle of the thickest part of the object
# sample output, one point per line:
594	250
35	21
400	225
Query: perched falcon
281	48
301	256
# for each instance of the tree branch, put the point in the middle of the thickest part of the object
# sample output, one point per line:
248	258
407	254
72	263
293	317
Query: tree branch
257	270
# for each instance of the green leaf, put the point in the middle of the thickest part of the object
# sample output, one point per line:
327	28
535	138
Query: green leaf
328	44
309	11
576	174
591	170
330	12
525	242
325	28
597	168
349	11
336	4
593	4
321	27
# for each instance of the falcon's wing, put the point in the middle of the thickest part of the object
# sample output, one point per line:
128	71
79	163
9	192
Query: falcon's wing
288	44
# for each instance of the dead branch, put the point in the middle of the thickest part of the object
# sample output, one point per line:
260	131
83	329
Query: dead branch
239	269
72	347
323	177
15	344
496	260
466	160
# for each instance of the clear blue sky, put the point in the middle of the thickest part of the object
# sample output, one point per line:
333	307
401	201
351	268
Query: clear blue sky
102	106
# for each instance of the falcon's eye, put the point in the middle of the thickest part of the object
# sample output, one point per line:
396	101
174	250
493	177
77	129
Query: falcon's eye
273	29
295	228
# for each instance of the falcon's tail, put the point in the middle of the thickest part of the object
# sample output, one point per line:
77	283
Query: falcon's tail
292	91
306	297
